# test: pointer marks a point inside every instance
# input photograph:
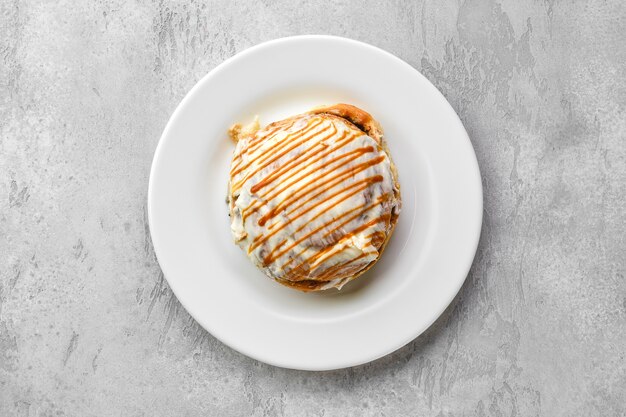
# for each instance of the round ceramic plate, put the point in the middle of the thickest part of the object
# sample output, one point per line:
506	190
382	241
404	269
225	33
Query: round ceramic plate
429	254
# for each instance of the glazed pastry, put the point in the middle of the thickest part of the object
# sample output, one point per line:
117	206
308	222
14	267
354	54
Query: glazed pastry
314	198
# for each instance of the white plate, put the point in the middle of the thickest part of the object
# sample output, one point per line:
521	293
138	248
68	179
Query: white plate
428	256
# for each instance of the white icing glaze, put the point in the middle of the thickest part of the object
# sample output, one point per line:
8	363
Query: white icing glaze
307	197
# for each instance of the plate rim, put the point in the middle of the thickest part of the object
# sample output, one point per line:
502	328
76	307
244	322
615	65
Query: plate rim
224	66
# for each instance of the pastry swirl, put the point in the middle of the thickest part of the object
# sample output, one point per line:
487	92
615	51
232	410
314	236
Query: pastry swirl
314	198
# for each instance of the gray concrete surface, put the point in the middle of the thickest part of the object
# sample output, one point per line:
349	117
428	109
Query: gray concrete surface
89	327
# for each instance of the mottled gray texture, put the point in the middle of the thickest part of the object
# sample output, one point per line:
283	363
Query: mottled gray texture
88	326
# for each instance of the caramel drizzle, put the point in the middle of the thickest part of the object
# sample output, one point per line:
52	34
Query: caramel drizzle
328	251
272	256
303	274
273	156
334	181
264	198
259	240
257	141
342	270
304	190
282	144
298	160
316	258
330	247
247	149
367	182
286	175
255	144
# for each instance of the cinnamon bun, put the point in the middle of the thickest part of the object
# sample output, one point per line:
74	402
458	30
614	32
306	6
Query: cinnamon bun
314	198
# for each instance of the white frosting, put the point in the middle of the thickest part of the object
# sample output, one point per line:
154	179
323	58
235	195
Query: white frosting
330	179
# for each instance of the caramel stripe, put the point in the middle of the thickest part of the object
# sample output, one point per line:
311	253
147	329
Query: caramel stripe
269	259
319	257
347	235
302	194
308	171
280	245
301	134
313	265
367	182
336	271
363	227
298	160
370	180
286	140
297	195
325	210
258	139
294	257
279	155
253	208
338	177
256	205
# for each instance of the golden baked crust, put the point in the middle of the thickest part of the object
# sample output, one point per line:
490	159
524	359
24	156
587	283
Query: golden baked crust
286	152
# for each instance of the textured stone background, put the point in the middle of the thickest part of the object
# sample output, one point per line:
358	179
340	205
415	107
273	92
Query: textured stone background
89	327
